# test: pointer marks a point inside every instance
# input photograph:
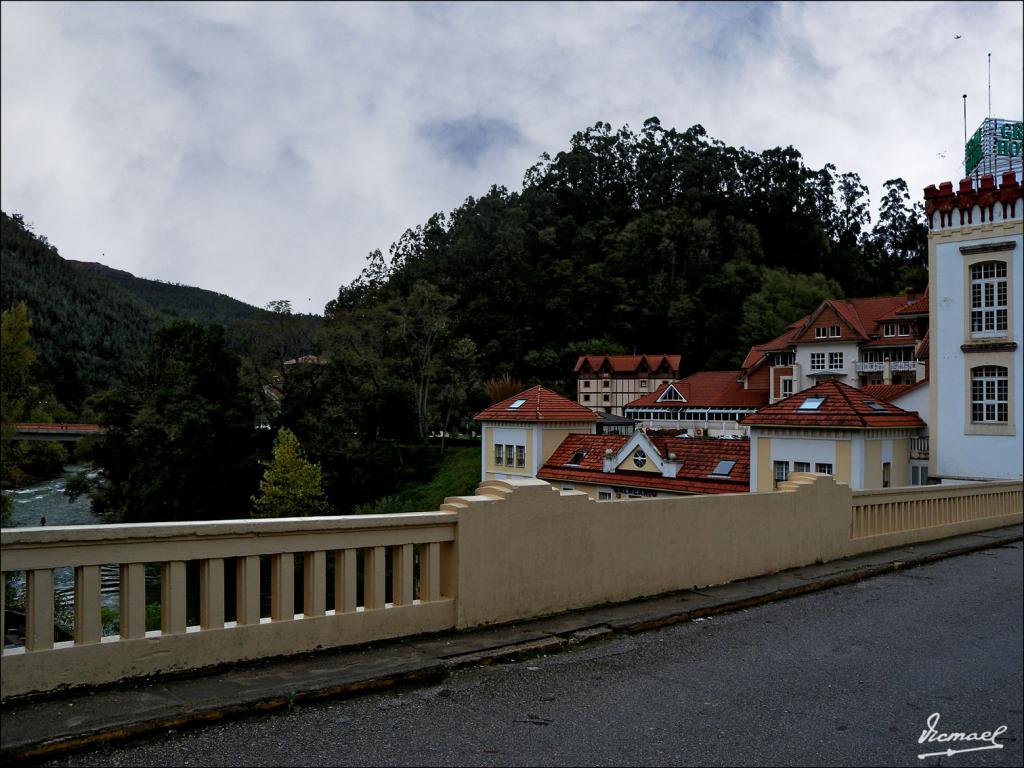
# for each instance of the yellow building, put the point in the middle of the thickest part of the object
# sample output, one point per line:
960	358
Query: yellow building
520	433
834	429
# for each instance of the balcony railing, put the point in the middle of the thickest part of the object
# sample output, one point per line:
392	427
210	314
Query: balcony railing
877	367
919	448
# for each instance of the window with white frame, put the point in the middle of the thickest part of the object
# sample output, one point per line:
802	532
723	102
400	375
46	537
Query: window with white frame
823	469
834	332
817	361
904	329
801	466
835	360
990	390
781	472
821	332
989	309
643	383
787	387
889	329
886	474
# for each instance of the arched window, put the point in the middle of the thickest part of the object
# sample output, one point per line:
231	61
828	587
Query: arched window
988	298
990	389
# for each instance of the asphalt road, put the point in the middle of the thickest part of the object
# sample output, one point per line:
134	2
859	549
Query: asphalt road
842	677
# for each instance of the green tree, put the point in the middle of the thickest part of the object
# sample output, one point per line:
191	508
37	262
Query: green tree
180	442
291	485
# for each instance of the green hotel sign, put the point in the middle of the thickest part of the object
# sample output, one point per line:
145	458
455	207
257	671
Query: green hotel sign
994	139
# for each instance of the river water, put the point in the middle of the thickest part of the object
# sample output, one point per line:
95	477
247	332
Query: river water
47	500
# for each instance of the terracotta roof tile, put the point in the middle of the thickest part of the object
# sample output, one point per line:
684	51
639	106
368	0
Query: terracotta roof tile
919	307
539	404
843	406
629	363
712	389
699	457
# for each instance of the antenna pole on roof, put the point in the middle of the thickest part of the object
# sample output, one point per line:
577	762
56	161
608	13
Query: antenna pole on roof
992	167
965	135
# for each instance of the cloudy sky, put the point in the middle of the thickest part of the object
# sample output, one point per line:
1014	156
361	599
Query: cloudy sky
263	150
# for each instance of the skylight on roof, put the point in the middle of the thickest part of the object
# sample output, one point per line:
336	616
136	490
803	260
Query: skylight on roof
875	406
812	403
724	468
577	458
517	404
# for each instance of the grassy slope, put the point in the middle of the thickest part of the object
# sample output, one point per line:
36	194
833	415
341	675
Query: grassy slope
457	475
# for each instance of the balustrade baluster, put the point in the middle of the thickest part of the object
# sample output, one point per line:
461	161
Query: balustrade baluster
247	590
373	577
39	610
172	598
88	627
211	593
133	601
430	572
401	574
344	580
314	584
282	587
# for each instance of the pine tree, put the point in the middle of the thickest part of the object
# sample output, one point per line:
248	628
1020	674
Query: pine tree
291	485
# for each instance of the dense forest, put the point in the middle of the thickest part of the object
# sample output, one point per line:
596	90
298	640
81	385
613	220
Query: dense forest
655	241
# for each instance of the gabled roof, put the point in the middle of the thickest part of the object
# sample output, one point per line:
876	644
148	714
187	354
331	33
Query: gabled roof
862	317
711	389
699	458
538	404
841	406
921	353
628	363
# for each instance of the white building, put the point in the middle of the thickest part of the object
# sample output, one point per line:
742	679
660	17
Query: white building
975	272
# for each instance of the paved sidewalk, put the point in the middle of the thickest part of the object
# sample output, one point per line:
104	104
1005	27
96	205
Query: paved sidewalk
43	727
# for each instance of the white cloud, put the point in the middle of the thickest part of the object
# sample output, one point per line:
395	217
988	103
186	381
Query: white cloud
263	150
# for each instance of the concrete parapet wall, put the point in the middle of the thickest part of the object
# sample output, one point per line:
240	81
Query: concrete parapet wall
518	549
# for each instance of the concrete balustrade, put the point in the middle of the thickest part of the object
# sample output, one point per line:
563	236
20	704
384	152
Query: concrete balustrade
42	664
517	549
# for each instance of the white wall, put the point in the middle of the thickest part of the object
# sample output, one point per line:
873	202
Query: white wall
956	454
803	359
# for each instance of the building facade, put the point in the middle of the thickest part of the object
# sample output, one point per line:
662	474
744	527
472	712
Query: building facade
975	272
520	433
709	404
833	429
862	342
606	383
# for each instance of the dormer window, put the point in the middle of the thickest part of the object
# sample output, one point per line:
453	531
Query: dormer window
904	329
889	329
671	394
812	403
639	458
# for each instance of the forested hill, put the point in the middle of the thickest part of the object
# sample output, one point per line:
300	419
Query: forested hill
653	241
85	330
175	300
91	323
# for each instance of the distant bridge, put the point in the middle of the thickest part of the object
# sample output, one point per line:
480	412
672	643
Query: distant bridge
66	433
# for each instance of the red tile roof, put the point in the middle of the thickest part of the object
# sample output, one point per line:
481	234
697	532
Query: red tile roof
540	405
919	307
922	349
713	389
886	392
629	363
861	315
699	457
843	406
